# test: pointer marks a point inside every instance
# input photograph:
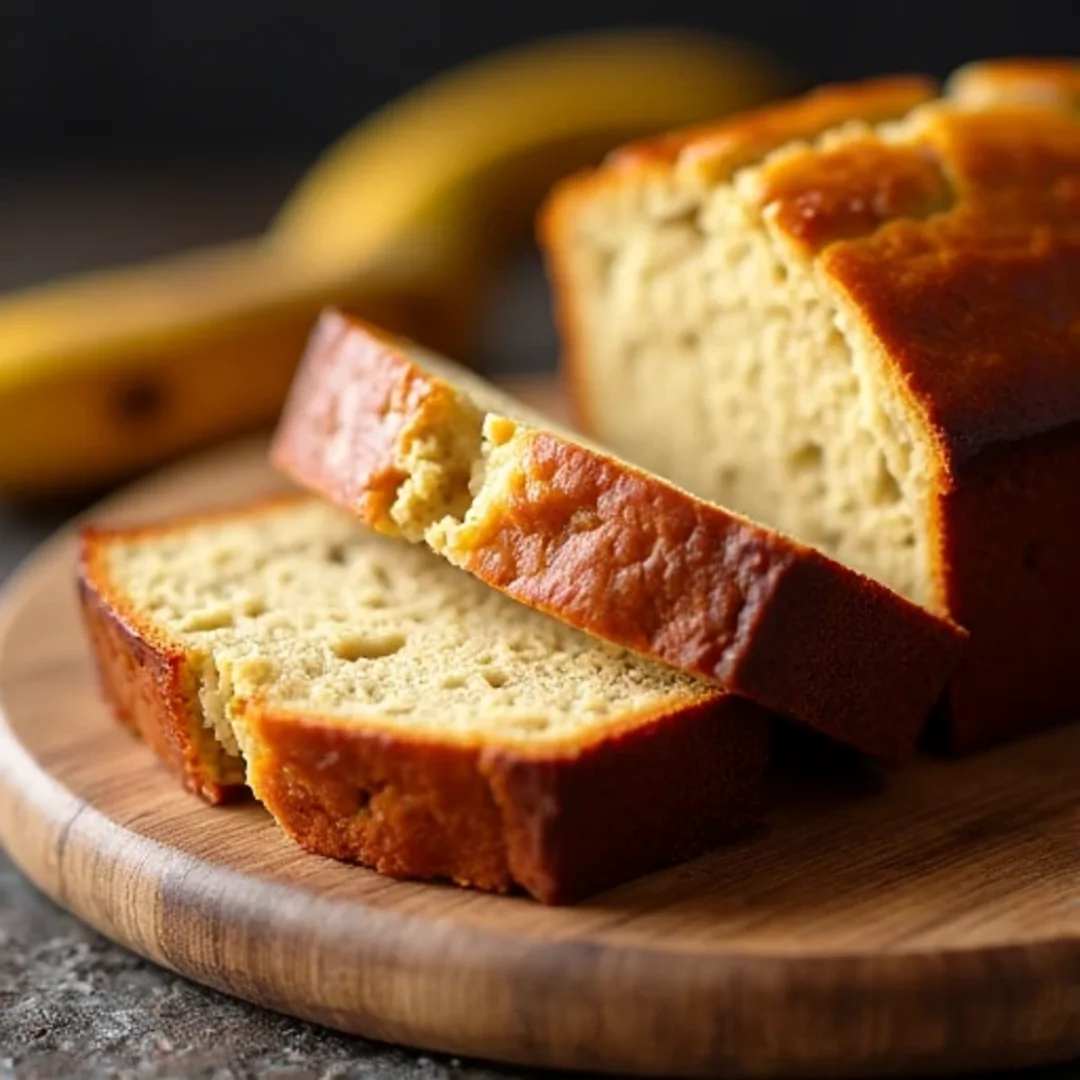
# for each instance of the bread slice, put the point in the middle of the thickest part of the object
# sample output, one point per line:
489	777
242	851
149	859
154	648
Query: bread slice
863	332
393	711
419	448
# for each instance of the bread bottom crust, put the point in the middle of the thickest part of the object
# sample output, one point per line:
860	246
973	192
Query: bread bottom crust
559	824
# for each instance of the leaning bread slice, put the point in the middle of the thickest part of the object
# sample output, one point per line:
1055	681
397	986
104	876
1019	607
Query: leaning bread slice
393	711
417	447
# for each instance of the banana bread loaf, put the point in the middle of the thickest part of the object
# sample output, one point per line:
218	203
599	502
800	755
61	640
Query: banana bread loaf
856	317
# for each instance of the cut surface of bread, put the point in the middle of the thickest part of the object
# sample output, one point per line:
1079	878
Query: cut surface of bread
856	317
392	710
419	448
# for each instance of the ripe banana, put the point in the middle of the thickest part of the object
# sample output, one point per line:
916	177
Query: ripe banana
404	220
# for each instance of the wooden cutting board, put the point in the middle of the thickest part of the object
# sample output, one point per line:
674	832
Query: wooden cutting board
932	926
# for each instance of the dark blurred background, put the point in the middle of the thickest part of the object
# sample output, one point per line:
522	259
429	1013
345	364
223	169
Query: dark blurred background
131	128
81	77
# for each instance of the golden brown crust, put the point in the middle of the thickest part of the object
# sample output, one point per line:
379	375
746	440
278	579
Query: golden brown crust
974	298
959	247
484	816
629	558
561	824
149	684
975	306
818	198
408	810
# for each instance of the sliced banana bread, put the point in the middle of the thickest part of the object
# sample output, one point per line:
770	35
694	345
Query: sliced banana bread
865	333
394	711
418	447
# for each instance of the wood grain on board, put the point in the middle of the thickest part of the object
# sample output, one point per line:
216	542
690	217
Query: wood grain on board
927	924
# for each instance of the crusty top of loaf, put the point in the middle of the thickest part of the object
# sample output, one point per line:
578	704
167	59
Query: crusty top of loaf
951	237
956	240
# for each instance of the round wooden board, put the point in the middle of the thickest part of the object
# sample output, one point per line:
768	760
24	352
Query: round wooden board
931	927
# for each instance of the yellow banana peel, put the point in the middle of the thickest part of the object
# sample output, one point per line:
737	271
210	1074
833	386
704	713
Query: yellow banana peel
404	220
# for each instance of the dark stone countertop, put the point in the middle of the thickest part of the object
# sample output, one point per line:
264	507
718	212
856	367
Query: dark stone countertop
74	1005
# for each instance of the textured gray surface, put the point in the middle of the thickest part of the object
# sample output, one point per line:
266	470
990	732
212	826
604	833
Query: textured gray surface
73	1005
